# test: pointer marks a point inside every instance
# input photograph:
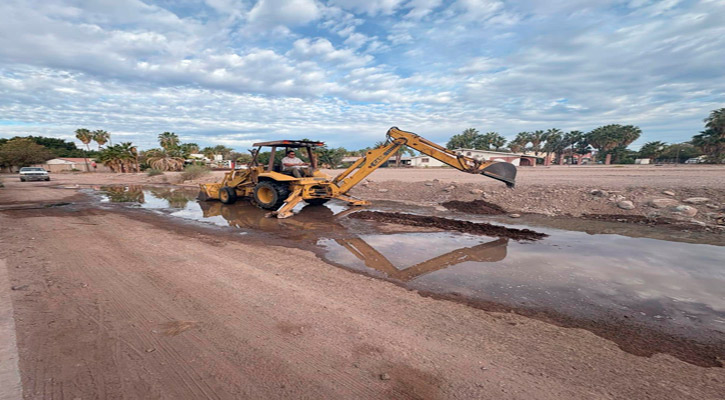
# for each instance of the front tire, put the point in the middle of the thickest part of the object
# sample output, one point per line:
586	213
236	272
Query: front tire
270	195
227	195
22	179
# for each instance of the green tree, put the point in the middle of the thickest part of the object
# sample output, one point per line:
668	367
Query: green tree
189	148
23	152
223	151
712	143
613	139
680	152
101	137
169	140
535	138
468	139
121	157
571	141
716	122
85	136
652	150
164	160
489	141
59	147
520	142
554	142
331	157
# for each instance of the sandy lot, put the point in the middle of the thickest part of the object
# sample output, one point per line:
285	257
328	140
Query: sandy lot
113	303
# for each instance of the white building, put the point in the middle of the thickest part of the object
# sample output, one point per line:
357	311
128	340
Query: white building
424	161
490	155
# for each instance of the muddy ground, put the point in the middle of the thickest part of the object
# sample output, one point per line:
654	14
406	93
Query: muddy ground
448	224
595	191
118	303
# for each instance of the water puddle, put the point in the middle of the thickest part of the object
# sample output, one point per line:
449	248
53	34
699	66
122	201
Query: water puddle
647	294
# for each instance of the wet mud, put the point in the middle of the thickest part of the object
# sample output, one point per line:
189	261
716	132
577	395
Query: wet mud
631	335
632	219
647	295
476	228
474	207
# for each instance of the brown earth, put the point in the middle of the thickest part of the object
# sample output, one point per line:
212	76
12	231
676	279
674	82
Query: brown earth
474	207
128	304
477	228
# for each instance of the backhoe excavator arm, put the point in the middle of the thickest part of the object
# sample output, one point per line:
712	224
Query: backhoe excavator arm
502	171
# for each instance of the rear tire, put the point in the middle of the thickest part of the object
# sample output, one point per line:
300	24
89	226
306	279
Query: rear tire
316	202
270	195
227	195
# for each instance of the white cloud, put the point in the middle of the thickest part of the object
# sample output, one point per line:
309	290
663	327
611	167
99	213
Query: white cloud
323	49
237	67
284	12
370	7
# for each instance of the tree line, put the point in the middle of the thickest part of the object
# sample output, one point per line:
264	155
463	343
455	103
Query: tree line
609	141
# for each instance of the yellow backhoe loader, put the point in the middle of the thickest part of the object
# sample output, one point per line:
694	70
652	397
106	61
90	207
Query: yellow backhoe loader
275	190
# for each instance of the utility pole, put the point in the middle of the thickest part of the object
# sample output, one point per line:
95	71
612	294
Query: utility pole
677	160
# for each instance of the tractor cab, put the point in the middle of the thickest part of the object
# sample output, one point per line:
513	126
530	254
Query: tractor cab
286	145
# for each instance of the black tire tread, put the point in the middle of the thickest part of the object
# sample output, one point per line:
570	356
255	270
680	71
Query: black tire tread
282	190
232	195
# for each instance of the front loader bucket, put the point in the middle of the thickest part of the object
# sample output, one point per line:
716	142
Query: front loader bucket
209	191
501	171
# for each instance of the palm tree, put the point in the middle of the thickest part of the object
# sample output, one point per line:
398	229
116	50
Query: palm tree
164	160
652	149
711	143
554	143
716	121
467	139
85	136
490	140
402	150
208	152
101	137
498	141
120	158
536	138
168	140
610	137
520	141
570	139
189	148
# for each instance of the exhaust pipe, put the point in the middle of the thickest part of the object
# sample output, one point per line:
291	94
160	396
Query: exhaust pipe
501	171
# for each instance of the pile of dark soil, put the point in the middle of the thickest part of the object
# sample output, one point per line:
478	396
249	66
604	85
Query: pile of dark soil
474	207
477	228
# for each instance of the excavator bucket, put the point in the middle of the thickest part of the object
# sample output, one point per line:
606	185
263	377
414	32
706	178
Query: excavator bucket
501	171
209	191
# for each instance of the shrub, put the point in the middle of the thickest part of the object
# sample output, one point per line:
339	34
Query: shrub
154	172
192	172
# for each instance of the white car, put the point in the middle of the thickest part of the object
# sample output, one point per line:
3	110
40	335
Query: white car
33	174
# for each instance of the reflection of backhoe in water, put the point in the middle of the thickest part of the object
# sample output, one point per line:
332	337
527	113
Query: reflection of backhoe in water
309	223
486	252
312	223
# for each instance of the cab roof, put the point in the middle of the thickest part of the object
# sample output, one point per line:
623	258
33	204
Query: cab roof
291	143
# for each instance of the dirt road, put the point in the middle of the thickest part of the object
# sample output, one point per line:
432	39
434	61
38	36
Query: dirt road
127	304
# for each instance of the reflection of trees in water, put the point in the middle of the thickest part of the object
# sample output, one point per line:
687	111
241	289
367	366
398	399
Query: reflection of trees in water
176	198
124	194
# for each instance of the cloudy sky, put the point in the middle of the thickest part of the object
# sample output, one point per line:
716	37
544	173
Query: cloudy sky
236	71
